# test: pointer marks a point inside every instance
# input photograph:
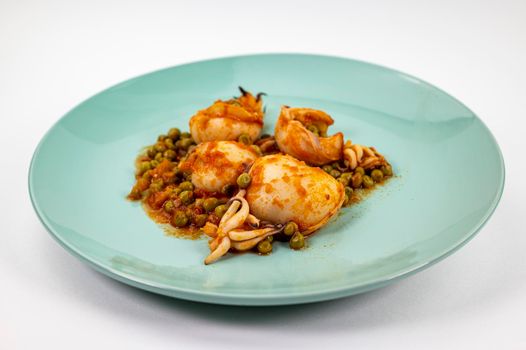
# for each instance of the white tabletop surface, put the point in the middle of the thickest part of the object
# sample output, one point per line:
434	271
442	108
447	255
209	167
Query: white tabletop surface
54	54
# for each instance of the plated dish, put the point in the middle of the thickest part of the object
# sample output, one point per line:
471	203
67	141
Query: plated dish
83	169
243	189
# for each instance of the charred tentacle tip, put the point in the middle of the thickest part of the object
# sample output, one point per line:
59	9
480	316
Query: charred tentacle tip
258	96
243	91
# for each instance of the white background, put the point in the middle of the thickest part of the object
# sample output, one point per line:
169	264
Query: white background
54	54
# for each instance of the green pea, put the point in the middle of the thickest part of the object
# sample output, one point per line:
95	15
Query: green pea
170	154
147	175
327	168
297	241
174	133
169	206
290	228
185	143
245	139
335	165
243	180
335	173
264	247
161	137
185	135
180	219
359	170
313	129
151	152
220	210
169	143
343	180
228	190
387	170
209	204
257	150
159	147
159	157
186	197
154	163
156	185
377	175
175	192
367	181
186	186
143	167
347	176
200	220
348	191
357	179
270	239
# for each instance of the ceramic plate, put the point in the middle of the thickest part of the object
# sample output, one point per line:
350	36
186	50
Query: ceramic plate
450	178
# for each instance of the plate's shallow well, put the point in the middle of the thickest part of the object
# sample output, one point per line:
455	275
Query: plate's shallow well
83	168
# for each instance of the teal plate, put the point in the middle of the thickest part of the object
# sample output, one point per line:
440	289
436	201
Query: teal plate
83	169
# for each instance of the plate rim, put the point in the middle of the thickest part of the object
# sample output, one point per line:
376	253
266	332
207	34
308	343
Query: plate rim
281	298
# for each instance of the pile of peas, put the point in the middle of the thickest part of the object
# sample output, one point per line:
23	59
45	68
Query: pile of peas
173	147
359	178
169	192
290	234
